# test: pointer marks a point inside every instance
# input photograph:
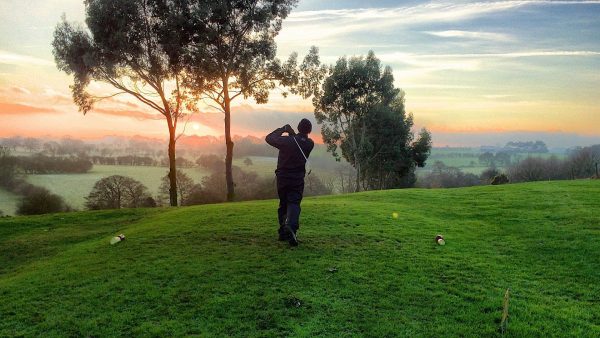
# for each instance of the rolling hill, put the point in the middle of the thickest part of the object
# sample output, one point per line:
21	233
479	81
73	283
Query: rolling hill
218	270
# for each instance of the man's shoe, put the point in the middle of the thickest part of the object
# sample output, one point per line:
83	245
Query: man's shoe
282	234
283	237
292	239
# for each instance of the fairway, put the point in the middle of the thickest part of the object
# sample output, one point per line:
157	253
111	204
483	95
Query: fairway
218	270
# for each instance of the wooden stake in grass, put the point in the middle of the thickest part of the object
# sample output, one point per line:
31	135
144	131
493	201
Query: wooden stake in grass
504	321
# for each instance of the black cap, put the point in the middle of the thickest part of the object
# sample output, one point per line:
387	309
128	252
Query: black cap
305	127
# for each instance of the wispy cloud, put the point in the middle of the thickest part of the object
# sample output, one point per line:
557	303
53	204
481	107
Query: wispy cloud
434	86
9	108
496	96
420	64
134	114
519	54
20	90
324	25
19	59
472	35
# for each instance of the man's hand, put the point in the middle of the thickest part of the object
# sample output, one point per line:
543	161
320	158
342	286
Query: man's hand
288	129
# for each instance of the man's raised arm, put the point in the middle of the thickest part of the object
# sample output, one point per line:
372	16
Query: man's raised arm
275	138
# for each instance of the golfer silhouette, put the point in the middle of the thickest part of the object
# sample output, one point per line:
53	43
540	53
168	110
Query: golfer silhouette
294	150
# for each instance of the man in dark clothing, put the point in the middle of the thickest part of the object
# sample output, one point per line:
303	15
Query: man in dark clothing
294	150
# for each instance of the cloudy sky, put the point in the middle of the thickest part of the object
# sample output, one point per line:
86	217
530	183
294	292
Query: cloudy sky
474	72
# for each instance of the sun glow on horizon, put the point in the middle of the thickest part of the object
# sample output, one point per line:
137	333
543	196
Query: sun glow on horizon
467	67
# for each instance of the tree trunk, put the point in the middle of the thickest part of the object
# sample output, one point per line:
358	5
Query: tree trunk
228	143
357	188
172	168
342	179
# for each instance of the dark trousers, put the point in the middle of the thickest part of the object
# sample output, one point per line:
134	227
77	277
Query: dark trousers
290	192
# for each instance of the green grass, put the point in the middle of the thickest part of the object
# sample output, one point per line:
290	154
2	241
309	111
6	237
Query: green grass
218	270
8	202
261	165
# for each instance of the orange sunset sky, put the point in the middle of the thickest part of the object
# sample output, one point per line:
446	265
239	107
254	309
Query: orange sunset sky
473	72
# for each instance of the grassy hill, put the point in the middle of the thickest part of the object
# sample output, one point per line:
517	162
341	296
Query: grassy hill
218	270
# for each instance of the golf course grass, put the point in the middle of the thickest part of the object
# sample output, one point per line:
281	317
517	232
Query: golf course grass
218	270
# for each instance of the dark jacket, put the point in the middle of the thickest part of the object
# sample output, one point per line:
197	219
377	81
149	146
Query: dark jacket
290	162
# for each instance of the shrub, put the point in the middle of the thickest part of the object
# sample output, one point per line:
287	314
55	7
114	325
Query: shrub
149	202
499	179
314	186
442	176
489	174
41	201
199	195
583	162
538	169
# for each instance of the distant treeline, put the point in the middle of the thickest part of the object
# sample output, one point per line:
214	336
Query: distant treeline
452	155
581	163
117	147
41	164
145	161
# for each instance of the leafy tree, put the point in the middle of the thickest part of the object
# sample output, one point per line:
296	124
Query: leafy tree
39	201
248	161
362	115
232	55
116	192
124	44
487	158
390	153
488	175
184	186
